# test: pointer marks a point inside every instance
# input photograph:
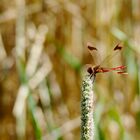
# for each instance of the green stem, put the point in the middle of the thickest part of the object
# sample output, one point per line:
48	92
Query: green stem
87	123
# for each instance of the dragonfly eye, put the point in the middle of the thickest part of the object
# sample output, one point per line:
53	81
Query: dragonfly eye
90	70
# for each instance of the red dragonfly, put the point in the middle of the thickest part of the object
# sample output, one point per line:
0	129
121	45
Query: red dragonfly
93	70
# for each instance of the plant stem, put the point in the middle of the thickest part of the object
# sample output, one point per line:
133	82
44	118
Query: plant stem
87	123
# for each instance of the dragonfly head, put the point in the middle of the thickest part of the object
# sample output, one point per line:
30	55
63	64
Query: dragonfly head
93	70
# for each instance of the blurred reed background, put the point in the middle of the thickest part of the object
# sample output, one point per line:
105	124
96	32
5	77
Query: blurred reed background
42	51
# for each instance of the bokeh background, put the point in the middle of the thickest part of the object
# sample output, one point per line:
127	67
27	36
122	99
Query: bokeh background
42	52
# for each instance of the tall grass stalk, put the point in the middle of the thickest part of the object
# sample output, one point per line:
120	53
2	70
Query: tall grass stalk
87	122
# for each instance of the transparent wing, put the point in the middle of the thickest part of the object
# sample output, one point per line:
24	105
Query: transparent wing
112	56
96	59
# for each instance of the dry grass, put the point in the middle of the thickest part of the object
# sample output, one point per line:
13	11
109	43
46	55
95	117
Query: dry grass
42	51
